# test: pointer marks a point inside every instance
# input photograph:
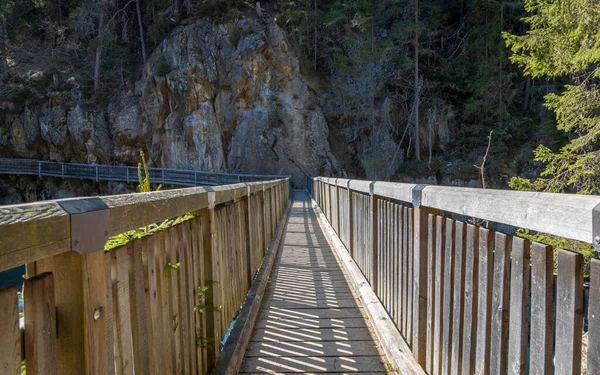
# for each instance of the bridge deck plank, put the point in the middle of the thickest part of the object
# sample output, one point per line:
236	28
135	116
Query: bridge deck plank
311	320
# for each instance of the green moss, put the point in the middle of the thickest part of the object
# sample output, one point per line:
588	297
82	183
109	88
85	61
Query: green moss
162	67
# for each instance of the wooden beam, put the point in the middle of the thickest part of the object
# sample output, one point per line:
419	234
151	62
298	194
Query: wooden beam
531	210
32	231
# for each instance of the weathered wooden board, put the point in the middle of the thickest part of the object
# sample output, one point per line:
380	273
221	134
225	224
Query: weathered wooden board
518	330
531	210
569	313
312	323
312	364
593	357
484	307
308	349
542	309
40	325
10	334
32	231
500	304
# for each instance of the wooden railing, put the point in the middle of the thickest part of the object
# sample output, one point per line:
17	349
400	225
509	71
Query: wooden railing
159	305
99	172
468	299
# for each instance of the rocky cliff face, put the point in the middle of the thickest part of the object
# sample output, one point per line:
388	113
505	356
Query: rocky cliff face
232	100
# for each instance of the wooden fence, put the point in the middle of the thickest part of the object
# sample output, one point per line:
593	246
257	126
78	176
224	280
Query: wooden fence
468	299
158	305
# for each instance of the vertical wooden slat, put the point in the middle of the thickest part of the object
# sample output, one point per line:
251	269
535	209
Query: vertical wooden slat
385	263
409	278
542	309
200	327
484	301
10	334
440	239
40	325
470	296
122	307
373	246
420	286
458	297
404	284
175	295
193	283
518	331
593	353
381	249
388	254
139	308
98	319
396	260
569	313
153	302
188	269
215	298
163	286
431	306
447	302
184	289
499	329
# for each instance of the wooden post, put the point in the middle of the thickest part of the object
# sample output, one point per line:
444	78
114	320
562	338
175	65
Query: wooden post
66	269
211	262
373	245
350	244
420	277
40	325
249	234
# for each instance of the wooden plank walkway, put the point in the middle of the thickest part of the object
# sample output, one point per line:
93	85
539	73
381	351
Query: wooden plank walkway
311	320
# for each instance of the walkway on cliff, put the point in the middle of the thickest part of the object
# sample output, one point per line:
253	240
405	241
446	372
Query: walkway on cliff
99	172
310	320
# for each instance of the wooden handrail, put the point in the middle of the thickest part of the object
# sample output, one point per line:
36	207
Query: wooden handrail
32	231
563	215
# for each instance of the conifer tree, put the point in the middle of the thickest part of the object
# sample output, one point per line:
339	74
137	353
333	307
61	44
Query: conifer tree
564	43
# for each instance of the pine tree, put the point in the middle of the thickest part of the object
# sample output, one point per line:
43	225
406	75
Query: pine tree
564	43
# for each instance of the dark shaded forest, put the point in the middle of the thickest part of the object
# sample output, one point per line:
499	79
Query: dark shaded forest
434	84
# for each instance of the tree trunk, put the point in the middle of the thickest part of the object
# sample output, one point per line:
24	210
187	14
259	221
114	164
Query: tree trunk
315	34
176	11
98	62
417	85
372	73
4	49
139	17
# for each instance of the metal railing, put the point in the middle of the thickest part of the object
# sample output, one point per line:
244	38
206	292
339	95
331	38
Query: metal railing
100	172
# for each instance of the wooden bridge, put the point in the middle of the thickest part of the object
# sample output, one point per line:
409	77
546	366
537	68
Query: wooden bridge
367	277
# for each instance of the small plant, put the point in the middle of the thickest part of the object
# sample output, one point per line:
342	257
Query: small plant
162	67
202	341
144	187
169	267
390	367
235	36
